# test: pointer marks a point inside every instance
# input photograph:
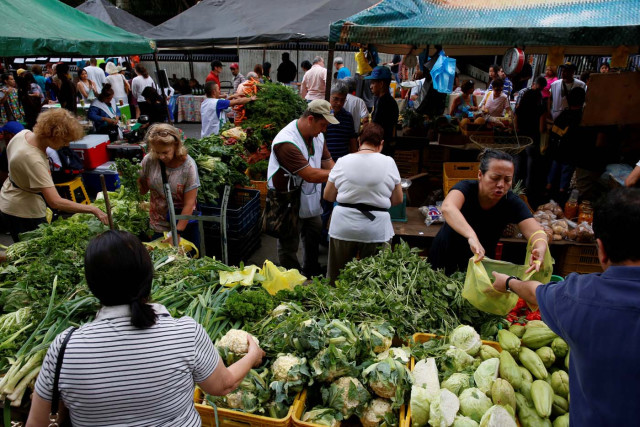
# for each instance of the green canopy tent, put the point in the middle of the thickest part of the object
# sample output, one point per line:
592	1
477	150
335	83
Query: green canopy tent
479	27
49	27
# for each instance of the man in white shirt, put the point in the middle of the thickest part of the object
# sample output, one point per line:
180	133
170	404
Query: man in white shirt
314	81
356	106
561	88
212	109
96	74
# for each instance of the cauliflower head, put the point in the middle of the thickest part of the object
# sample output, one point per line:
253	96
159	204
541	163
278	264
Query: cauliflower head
376	412
235	341
283	368
389	379
396	353
346	395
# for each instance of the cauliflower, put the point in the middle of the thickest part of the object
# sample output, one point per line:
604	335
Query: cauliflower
235	341
280	310
396	353
236	399
330	364
346	395
323	416
289	375
375	337
376	412
283	367
389	379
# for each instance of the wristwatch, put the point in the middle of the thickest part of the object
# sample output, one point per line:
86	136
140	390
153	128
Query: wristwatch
506	284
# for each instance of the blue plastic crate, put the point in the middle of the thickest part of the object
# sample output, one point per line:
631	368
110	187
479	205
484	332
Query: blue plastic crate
243	213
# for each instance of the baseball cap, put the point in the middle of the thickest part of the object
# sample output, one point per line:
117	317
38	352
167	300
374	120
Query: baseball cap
320	106
379	73
20	71
569	65
234	65
12	127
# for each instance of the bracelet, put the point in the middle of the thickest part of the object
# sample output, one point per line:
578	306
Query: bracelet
506	284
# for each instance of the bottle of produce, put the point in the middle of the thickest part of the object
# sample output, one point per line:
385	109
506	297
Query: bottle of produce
585	212
571	207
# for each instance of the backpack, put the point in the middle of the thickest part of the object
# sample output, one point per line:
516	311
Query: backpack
71	166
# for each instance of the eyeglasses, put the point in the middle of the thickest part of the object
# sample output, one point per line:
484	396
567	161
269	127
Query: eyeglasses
163	133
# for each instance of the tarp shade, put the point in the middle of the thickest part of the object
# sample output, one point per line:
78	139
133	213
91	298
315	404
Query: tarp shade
253	22
499	23
108	13
48	27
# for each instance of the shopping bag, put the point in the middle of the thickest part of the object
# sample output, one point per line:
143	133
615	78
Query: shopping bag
281	213
244	277
478	284
278	278
184	244
443	73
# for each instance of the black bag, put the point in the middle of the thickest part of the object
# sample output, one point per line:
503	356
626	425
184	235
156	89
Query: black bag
281	213
71	166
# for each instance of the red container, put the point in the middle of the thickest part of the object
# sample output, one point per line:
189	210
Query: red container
92	149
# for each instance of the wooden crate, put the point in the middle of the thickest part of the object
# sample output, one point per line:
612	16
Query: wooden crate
454	172
407	162
580	259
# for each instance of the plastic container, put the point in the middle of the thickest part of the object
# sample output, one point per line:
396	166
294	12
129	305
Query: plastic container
239	248
580	259
126	151
454	172
262	187
92	149
243	213
231	418
111	178
555	278
398	213
73	190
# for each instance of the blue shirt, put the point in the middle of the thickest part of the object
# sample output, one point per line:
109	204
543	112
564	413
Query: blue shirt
599	317
343	73
41	81
506	89
338	137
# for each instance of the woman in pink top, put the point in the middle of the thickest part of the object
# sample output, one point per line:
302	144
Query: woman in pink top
551	77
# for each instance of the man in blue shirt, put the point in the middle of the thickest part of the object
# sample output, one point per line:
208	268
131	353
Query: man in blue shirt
599	316
508	85
343	72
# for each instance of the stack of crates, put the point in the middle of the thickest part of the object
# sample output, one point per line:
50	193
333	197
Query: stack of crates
454	172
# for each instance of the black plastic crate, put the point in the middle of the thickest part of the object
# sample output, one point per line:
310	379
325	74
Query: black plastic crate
238	249
243	212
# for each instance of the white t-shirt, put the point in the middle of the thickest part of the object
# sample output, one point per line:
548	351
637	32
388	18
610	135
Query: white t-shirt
416	90
138	84
211	120
367	178
96	75
559	102
117	84
358	109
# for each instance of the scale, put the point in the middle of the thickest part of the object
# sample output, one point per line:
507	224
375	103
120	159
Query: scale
513	61
398	213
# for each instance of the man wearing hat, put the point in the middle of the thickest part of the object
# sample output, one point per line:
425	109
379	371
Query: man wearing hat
561	88
300	160
385	108
238	78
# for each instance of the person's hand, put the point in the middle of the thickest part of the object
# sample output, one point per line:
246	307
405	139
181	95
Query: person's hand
537	259
169	239
500	284
255	351
476	248
253	98
101	216
633	177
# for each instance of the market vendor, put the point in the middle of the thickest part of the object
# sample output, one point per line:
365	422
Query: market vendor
212	109
597	315
167	156
496	103
476	214
29	189
134	364
105	114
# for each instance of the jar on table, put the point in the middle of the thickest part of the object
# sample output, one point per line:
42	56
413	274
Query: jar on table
585	212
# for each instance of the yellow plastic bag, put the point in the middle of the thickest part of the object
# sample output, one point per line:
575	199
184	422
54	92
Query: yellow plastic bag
362	65
277	278
244	277
478	285
183	243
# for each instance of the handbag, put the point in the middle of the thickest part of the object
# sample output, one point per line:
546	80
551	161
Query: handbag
55	395
281	213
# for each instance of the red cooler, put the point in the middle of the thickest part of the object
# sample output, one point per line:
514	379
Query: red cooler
92	149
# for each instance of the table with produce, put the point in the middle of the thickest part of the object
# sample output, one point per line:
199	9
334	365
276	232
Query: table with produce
393	343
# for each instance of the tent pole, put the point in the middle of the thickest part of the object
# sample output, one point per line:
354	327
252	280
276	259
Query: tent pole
190	58
298	60
264	54
327	90
163	95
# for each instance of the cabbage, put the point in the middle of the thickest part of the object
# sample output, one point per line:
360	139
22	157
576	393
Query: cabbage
466	339
474	403
398	353
420	401
486	374
457	382
458	359
497	416
443	409
461	421
425	374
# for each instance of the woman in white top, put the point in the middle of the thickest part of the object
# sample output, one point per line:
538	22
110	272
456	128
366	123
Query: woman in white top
138	84
365	184
86	88
118	82
496	103
133	365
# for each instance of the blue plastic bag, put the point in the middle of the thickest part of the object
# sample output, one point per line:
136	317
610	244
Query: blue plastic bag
443	73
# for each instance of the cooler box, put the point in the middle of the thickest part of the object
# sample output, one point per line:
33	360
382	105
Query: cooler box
92	149
92	178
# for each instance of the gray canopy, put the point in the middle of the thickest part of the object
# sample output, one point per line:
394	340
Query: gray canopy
107	12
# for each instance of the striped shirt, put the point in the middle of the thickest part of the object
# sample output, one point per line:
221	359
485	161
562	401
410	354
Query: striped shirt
338	137
115	374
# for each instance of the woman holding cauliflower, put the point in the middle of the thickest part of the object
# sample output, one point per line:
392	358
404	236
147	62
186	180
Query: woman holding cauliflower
134	364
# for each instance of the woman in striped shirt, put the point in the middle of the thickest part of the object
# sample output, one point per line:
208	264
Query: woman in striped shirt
134	365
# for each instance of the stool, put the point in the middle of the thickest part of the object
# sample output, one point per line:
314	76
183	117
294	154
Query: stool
73	190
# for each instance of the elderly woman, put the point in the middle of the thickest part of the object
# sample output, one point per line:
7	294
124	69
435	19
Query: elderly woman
365	184
105	114
134	364
23	195
169	162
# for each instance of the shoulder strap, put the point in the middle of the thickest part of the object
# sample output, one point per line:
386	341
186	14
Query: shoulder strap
163	172
55	396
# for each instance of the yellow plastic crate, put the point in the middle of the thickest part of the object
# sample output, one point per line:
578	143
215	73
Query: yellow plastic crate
454	172
419	338
231	418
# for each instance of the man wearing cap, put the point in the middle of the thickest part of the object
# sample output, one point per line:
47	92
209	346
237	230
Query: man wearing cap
300	159
314	81
212	109
561	88
238	78
385	108
214	75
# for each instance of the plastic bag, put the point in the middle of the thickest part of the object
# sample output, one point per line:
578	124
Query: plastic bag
186	245
277	278
478	285
443	73
244	277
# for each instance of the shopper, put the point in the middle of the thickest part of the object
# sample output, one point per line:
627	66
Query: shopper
342	71
314	81
238	78
365	184
96	74
287	70
86	88
212	109
23	195
476	213
138	84
134	364
385	110
10	106
118	83
560	90
355	105
603	305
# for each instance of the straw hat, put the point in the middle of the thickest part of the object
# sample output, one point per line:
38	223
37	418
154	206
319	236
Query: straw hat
111	68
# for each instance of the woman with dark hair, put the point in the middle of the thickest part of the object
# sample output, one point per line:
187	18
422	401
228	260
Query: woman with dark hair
365	184
105	114
153	106
476	213
134	364
464	103
10	107
266	67
31	97
138	84
86	87
65	89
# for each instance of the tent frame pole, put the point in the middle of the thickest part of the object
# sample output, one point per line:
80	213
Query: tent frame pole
190	58
327	89
163	96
